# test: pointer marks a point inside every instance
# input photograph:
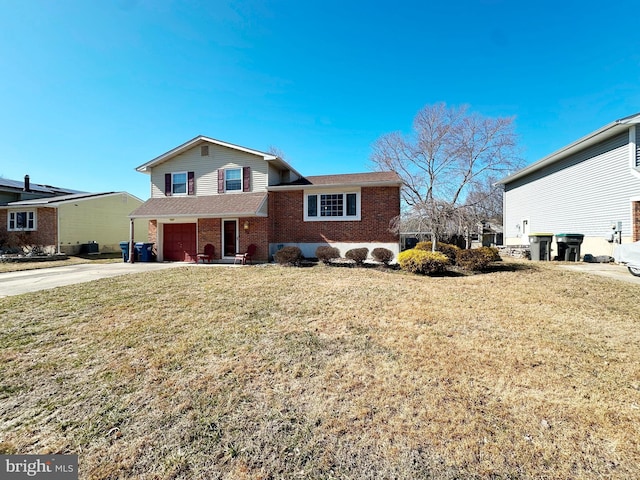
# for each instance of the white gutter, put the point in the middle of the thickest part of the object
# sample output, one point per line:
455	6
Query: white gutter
607	131
325	186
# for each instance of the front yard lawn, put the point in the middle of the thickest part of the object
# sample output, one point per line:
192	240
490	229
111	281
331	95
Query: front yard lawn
530	371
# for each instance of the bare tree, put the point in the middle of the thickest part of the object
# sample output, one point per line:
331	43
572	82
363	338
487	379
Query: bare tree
273	150
450	154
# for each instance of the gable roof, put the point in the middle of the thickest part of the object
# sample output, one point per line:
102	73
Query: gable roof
200	139
62	199
610	130
212	206
367	179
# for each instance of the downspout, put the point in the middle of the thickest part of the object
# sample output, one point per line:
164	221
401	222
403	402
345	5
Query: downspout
59	252
131	236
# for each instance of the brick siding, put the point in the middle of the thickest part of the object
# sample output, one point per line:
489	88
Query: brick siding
46	234
288	225
636	221
257	233
209	231
153	232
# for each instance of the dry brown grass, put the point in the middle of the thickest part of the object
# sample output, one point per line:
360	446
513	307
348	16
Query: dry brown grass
74	260
271	372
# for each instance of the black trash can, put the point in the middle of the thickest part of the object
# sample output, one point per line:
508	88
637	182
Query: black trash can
540	245
145	252
569	246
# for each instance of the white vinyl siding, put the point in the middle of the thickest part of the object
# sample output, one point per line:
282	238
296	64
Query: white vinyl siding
584	193
206	169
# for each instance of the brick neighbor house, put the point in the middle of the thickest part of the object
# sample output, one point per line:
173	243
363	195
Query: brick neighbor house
62	220
206	191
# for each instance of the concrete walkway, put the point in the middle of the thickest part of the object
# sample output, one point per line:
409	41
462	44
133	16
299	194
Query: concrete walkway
26	281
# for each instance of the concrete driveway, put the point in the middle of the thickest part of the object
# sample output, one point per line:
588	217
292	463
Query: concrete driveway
610	270
26	281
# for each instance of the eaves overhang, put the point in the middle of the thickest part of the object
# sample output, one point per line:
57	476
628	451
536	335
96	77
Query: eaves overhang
610	130
274	159
280	188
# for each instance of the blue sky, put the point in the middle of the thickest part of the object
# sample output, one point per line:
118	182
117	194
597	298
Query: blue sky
89	90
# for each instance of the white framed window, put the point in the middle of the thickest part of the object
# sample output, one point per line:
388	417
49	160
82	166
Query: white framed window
233	179
332	206
22	221
179	183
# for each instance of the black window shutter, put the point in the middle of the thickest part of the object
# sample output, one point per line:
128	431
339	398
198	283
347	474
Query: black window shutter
221	181
191	187
246	179
167	184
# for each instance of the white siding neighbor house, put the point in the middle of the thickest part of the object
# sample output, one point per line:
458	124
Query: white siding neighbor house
590	187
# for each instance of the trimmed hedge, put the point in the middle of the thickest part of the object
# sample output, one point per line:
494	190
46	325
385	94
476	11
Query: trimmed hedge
325	253
288	256
477	259
358	255
382	255
423	262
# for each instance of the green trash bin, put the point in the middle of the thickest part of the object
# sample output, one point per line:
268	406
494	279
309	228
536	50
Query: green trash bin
540	245
569	246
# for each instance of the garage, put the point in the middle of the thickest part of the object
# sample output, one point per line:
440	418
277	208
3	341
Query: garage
179	242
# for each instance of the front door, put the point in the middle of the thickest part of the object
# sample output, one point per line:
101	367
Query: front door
229	236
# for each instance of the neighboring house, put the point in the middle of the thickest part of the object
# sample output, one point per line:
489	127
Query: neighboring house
208	191
64	221
16	190
590	187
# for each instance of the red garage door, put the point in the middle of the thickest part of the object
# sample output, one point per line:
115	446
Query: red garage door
179	241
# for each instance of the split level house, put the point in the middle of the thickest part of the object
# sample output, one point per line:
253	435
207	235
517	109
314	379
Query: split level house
590	187
206	191
61	220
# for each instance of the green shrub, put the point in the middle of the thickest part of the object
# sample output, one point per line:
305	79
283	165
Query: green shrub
288	256
358	255
383	255
451	251
476	259
423	262
325	253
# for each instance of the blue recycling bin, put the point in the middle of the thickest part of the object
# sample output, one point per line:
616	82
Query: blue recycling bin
144	252
124	246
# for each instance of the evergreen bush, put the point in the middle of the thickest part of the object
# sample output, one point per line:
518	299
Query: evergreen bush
423	262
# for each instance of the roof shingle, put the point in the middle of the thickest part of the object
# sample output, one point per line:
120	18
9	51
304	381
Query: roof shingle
245	204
